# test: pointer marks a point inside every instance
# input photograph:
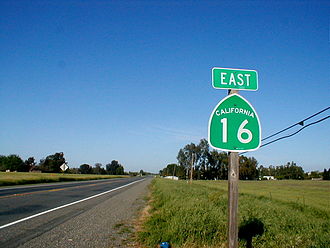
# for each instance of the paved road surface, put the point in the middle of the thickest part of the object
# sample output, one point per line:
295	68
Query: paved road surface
86	223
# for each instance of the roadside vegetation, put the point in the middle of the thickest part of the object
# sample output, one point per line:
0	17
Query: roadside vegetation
16	178
52	164
292	213
13	170
201	162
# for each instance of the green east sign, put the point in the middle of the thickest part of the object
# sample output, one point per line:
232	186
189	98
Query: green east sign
241	79
234	125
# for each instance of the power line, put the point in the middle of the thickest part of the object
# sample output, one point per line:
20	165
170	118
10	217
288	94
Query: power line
301	123
290	135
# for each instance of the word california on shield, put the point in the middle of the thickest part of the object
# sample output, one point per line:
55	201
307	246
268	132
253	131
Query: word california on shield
234	110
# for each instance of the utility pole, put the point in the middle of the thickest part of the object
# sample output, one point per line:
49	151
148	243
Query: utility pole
192	167
233	176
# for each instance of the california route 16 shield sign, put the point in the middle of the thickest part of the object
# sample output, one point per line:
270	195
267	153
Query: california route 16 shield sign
234	125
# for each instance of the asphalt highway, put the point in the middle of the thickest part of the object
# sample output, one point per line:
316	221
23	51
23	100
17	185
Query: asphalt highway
27	212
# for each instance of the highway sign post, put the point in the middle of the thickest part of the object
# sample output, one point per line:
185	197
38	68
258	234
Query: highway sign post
234	127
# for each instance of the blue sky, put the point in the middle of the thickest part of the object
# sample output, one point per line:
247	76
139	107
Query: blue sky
131	80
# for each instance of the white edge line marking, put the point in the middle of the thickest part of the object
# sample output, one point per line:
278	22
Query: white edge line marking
66	205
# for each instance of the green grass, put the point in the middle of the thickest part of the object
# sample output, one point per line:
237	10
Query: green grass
294	213
15	178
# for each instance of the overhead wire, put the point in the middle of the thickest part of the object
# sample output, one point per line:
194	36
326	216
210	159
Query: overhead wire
301	123
287	136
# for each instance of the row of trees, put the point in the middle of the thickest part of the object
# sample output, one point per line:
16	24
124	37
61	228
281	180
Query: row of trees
52	164
212	164
206	164
288	171
15	163
113	168
292	171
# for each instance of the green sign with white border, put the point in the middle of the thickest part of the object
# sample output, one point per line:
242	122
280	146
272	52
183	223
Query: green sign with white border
234	125
240	79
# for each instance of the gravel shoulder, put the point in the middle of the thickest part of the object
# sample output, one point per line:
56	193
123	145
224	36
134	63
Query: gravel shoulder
107	224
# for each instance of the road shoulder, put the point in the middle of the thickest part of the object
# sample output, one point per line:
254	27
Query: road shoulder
105	225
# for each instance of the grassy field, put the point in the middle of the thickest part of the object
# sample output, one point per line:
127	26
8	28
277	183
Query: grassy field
294	213
15	178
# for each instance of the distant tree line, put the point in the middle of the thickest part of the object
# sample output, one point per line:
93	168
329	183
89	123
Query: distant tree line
15	163
52	164
292	171
209	164
113	168
288	171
